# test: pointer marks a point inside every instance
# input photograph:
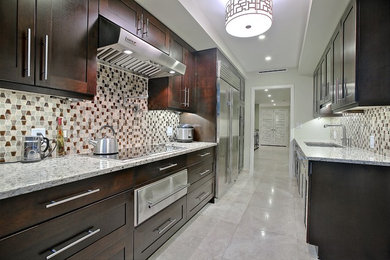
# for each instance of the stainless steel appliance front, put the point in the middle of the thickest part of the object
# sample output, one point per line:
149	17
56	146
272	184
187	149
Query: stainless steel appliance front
152	198
228	107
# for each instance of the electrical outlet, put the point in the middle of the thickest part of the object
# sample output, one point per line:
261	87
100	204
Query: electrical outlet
372	141
36	131
169	131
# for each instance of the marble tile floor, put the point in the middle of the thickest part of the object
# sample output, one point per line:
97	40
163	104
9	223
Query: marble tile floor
261	217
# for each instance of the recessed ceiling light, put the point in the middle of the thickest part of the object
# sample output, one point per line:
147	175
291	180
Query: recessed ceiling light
262	37
269	95
268	58
127	52
172	71
266	90
272	101
274	104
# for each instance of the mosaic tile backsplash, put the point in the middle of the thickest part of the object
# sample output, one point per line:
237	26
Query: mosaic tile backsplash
373	122
121	101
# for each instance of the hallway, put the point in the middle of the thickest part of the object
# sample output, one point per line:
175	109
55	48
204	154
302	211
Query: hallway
261	217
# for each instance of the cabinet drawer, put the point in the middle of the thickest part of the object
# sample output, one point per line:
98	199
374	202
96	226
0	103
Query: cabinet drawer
200	156
149	236
153	171
109	247
200	197
63	236
200	171
26	210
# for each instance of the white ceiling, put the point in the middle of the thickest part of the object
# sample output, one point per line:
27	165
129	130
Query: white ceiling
297	38
280	97
323	19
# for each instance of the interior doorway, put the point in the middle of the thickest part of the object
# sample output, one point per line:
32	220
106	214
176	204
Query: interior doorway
272	117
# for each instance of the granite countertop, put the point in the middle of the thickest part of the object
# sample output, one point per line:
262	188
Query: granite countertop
344	155
21	178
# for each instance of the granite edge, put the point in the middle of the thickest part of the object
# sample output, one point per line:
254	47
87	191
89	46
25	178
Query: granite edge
85	175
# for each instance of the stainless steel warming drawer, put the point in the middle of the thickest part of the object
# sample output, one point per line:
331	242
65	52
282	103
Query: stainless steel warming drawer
152	198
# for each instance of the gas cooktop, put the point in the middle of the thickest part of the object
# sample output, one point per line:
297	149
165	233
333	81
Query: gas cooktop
138	152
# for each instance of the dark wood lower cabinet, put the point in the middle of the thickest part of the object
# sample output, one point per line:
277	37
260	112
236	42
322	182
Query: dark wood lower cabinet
349	211
202	193
108	248
64	236
94	218
153	233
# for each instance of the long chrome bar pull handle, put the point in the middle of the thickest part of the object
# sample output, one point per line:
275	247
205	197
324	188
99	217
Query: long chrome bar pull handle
46	56
29	52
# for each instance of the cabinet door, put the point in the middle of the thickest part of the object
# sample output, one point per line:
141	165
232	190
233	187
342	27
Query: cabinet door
189	80
315	93
323	81
155	33
349	55
176	93
66	51
338	68
17	45
329	74
125	13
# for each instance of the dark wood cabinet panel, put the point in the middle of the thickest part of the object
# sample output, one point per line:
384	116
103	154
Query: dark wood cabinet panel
150	235
177	92
155	33
72	232
200	171
125	13
17	44
189	81
349	55
338	66
348	214
22	211
67	45
109	247
199	197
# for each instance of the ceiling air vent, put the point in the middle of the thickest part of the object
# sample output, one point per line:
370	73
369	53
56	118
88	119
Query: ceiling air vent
272	71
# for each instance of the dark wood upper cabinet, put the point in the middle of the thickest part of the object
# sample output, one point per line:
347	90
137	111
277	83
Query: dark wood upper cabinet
361	62
125	13
177	92
189	81
133	18
154	32
66	50
50	46
17	46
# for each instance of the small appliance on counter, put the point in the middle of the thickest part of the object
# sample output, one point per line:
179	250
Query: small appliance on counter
105	145
185	133
34	148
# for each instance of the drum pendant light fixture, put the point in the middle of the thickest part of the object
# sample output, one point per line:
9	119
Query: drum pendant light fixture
248	18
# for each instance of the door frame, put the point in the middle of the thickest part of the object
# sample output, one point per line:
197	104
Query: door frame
252	123
284	108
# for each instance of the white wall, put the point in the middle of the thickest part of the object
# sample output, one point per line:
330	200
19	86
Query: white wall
303	99
257	116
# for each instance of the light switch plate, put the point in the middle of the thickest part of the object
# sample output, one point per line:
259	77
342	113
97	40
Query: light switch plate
372	141
35	131
169	131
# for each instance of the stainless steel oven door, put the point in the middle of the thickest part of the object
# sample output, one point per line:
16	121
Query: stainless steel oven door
152	198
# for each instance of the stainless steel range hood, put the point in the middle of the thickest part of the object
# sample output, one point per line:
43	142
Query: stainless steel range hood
119	48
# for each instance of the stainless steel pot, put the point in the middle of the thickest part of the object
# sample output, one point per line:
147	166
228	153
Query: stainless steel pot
105	145
185	133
